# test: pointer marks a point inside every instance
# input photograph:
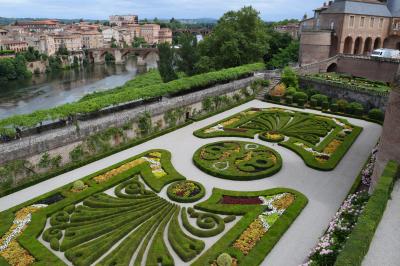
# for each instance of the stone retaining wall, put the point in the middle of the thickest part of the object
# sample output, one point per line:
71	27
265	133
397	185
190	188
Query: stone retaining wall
369	100
69	135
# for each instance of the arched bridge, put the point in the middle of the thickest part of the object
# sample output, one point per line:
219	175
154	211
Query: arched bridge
98	55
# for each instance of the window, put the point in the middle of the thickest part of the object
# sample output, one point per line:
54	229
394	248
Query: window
351	22
362	22
371	22
381	23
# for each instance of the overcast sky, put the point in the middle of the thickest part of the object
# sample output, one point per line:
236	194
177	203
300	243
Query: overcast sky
271	10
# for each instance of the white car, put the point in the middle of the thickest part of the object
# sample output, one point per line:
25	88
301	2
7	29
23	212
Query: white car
386	53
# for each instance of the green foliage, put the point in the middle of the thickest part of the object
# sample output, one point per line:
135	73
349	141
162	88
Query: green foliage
186	191
224	260
144	123
31	54
55	64
13	68
109	57
138	42
297	96
319	98
77	154
78	185
166	63
237	160
62	50
99	101
357	245
290	78
187	54
240	37
44	160
285	56
210	224
11	170
376	114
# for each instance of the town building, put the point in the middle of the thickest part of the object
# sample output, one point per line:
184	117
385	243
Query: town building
124	20
92	40
51	43
150	33
110	35
355	27
165	35
17	46
3	33
292	29
39	25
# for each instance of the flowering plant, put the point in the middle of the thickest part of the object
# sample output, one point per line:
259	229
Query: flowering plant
330	244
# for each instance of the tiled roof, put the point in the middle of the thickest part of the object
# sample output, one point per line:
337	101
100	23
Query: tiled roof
358	8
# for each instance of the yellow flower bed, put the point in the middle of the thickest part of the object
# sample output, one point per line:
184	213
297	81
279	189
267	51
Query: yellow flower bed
116	171
284	202
14	254
249	238
230	121
332	146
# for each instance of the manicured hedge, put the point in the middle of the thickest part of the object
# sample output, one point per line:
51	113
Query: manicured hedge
194	198
357	245
249	213
99	102
233	173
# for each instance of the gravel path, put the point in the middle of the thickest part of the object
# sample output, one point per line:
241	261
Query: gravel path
325	190
384	249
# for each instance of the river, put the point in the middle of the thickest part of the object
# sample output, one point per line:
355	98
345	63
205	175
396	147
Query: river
46	91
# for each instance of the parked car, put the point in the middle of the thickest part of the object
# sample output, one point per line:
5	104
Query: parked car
386	53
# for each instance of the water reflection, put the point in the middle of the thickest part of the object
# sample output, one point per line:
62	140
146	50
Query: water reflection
46	91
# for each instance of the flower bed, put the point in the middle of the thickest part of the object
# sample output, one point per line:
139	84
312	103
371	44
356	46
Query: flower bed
321	141
332	242
186	191
237	160
240	200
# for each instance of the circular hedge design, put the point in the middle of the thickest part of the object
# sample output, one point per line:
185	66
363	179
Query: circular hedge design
186	191
237	160
272	136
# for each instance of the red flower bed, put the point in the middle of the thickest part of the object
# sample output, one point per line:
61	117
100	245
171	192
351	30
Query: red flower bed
240	200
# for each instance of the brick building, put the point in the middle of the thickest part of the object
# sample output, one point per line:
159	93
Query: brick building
17	46
350	27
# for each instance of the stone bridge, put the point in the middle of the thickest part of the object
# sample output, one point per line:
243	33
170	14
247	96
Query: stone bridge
382	69
143	55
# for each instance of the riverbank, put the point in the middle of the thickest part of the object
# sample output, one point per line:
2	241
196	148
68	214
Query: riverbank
53	89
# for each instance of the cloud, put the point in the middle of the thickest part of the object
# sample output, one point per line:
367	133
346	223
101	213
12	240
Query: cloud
101	9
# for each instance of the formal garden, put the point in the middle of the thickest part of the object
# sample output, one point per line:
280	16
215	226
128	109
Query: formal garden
222	211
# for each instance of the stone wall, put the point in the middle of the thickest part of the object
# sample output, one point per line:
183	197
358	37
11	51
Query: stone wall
68	136
367	99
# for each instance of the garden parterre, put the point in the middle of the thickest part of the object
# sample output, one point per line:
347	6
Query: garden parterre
115	216
321	141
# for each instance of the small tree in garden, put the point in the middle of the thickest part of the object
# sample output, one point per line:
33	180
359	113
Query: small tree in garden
144	123
166	64
376	114
300	96
289	77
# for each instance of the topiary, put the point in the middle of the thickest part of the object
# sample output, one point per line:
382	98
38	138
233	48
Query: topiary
224	260
300	96
291	91
319	98
78	185
376	114
342	105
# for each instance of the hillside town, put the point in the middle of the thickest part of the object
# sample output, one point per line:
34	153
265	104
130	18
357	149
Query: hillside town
47	36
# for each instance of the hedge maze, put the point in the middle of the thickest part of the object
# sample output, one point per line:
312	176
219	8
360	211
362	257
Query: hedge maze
119	219
321	141
237	160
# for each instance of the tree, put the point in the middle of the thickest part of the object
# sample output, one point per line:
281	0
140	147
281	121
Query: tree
187	54
240	37
166	63
62	50
285	56
113	43
138	42
289	78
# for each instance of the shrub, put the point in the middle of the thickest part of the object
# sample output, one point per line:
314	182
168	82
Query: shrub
224	260
300	96
319	98
78	185
276	98
334	107
376	114
342	105
354	108
301	102
289	77
291	91
325	105
278	90
313	103
289	99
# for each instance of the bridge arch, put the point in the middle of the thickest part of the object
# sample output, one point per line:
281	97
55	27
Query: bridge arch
332	68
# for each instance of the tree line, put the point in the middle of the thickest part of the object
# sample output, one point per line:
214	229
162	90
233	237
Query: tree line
239	38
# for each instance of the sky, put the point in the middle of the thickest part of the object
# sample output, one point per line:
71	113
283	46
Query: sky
271	10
